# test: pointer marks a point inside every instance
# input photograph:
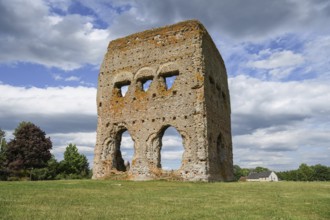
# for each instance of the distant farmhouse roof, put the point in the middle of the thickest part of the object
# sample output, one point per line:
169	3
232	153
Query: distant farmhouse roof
263	176
259	175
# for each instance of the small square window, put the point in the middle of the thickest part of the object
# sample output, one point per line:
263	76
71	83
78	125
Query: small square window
169	79
145	83
122	88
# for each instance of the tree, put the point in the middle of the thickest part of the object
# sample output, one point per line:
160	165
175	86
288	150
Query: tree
74	165
317	172
3	147
321	173
29	149
260	169
52	167
305	173
47	173
240	172
2	139
237	172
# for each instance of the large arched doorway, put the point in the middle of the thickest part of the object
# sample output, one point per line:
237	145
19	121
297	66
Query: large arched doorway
126	149
171	149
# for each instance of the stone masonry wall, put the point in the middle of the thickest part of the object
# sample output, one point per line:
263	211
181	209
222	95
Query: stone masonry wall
178	50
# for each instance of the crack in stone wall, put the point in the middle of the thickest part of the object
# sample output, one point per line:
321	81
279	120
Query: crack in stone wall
196	105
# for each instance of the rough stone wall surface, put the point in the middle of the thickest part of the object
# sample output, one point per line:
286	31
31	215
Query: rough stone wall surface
197	104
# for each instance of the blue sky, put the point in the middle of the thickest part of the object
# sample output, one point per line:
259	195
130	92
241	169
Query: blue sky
276	54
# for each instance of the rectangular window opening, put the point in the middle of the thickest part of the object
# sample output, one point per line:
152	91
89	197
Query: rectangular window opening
145	83
170	78
122	87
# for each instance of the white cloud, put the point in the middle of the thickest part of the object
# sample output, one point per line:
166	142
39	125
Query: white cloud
72	78
59	150
57	77
172	141
47	101
55	109
78	138
126	142
317	53
172	155
275	122
66	42
279	63
251	97
235	19
279	59
69	41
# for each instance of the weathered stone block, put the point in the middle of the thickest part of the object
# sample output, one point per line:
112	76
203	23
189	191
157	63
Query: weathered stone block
197	105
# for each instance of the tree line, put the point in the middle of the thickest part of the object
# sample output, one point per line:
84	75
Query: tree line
316	172
28	156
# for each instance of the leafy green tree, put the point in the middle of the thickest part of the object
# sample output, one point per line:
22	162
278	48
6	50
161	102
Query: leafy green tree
260	169
237	172
74	165
291	175
53	168
240	172
317	172
29	149
245	171
47	173
3	147
305	173
320	173
2	139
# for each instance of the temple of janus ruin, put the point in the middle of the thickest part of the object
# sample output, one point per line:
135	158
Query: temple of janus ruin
197	104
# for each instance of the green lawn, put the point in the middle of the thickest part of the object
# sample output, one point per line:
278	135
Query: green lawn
88	199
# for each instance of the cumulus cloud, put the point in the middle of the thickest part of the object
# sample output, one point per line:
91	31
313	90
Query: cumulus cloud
317	53
260	104
55	109
278	59
173	141
43	37
72	78
233	19
40	36
78	138
58	77
281	119
126	142
172	155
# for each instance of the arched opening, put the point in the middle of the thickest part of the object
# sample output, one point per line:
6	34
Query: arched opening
121	88
169	78
221	150
125	151
171	149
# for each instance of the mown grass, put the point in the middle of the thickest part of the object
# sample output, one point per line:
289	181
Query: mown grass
112	199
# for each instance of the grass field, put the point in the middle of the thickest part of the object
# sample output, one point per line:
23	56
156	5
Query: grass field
88	199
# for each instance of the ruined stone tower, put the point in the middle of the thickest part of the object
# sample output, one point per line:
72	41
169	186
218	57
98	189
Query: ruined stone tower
197	104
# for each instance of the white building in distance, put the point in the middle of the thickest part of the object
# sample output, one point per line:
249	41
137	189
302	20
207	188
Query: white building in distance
268	176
